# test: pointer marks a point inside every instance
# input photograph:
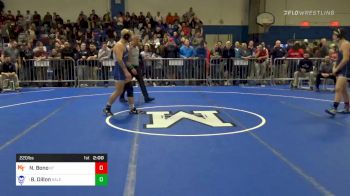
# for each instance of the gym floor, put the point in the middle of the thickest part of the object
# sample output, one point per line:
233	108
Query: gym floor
280	142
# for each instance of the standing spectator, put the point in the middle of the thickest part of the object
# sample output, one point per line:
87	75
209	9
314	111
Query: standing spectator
58	21
83	22
201	63
5	32
187	51
280	67
92	63
41	65
28	17
176	17
83	54
169	18
67	53
27	55
158	18
237	50
218	49
146	56
39	45
262	55
36	19
93	19
251	47
107	19
323	48
189	15
305	69
296	51
141	18
196	23
19	15
104	54
185	29
171	49
325	72
197	40
10	16
333	54
228	50
31	34
48	19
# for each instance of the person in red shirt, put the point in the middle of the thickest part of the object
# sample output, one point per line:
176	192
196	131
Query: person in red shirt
169	19
185	29
262	54
296	51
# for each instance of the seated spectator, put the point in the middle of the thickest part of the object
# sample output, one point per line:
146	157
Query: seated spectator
305	69
8	72
325	72
12	52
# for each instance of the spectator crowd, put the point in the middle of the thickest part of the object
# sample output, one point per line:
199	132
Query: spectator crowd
91	37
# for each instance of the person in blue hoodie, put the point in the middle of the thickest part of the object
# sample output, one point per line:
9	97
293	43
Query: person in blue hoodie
187	52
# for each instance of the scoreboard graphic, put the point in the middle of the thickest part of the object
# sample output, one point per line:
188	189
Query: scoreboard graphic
61	170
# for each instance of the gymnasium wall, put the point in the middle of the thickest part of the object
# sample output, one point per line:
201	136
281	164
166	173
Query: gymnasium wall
340	8
218	12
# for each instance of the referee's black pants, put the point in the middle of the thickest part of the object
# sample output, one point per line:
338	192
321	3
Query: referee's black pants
139	78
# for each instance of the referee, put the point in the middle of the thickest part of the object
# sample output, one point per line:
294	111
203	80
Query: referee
133	62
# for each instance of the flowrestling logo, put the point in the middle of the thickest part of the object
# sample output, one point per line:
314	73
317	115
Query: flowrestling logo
187	121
